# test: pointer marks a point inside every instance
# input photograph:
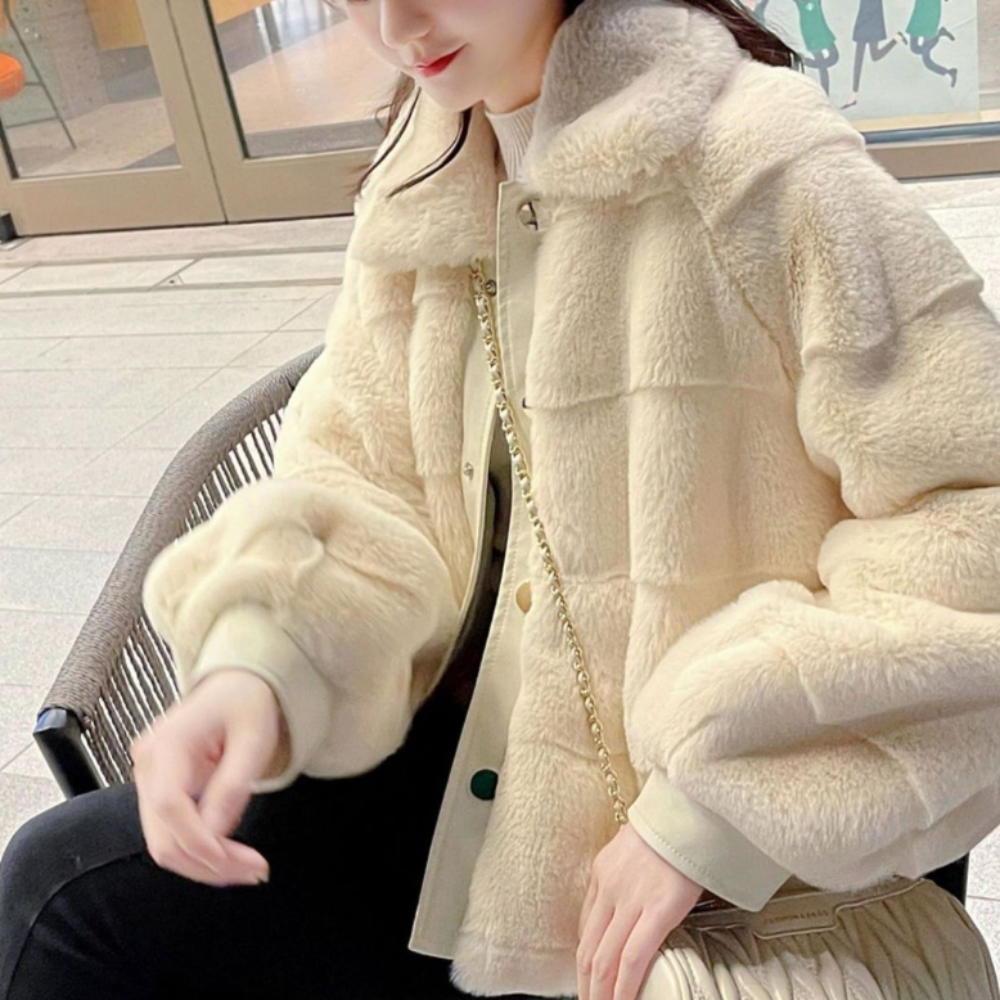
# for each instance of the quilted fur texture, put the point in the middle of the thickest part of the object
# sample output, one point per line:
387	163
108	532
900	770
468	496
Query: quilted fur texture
766	447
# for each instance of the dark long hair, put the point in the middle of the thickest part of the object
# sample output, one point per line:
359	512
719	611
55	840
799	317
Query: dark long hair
750	35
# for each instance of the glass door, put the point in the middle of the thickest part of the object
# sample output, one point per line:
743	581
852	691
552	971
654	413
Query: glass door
287	95
119	114
98	128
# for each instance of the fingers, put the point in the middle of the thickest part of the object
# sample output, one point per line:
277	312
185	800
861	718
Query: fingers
618	947
600	916
613	961
228	791
177	836
640	950
177	840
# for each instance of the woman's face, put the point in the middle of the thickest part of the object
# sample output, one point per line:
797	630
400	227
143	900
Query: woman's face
503	45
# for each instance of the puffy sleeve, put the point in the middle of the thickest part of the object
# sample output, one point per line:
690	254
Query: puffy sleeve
326	579
850	733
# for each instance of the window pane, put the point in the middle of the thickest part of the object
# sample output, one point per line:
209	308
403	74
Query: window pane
300	79
77	90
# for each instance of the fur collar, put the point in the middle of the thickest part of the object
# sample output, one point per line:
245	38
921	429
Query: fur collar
627	84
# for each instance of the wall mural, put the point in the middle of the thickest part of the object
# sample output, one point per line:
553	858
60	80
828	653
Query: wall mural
884	58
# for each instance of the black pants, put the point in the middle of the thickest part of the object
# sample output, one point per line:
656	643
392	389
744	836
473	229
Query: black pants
85	913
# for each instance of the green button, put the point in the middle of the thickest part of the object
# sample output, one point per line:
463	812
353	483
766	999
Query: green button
484	784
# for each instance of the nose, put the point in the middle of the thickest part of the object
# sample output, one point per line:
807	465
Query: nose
403	22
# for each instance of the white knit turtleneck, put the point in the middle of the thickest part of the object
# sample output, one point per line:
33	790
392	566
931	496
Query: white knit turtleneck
513	130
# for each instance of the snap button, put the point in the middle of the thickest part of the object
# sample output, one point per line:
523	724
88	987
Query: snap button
526	215
467	470
484	784
523	596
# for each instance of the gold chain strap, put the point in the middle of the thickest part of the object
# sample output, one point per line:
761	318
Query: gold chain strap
482	291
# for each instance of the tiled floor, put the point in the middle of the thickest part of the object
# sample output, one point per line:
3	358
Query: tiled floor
114	348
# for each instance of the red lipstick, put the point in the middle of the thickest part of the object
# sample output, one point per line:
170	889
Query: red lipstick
432	69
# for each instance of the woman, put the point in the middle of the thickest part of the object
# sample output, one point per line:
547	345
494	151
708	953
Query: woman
755	385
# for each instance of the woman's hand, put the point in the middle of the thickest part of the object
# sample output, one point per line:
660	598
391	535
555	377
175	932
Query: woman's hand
634	900
193	767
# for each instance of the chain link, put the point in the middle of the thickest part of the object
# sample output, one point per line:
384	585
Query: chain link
482	291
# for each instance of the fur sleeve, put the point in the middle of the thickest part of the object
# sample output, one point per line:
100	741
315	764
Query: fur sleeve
326	579
850	733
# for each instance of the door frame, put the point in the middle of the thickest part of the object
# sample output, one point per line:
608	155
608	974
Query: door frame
263	188
185	194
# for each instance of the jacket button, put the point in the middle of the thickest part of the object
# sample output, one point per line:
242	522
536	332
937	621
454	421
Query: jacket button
523	596
484	784
467	470
526	215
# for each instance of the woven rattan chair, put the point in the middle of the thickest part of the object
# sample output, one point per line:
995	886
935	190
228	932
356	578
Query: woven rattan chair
119	674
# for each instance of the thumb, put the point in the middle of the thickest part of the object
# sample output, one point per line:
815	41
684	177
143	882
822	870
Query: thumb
228	791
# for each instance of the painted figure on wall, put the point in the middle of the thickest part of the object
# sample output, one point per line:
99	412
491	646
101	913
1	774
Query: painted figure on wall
925	29
817	37
869	33
870	37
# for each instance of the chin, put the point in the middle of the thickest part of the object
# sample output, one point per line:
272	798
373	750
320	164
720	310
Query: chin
449	102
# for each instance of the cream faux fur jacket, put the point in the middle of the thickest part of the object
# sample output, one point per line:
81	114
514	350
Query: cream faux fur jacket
765	399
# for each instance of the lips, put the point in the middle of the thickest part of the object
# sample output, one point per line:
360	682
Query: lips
438	63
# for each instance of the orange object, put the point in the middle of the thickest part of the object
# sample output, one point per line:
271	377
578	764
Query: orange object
11	77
